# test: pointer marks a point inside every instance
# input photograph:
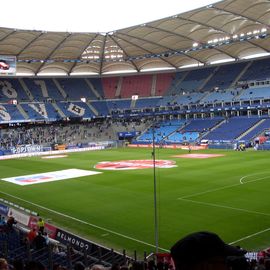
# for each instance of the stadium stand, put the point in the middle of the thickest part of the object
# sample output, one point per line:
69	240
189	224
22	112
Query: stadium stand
258	70
76	89
136	85
194	80
12	89
188	98
161	131
220	96
231	129
163	82
263	125
15	247
143	103
118	104
76	109
101	107
10	113
110	86
254	93
228	103
43	89
224	76
37	111
180	137
201	125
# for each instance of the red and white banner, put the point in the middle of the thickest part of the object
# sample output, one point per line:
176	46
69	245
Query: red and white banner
49	229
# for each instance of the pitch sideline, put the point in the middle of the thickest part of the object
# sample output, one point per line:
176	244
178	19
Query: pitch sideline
84	222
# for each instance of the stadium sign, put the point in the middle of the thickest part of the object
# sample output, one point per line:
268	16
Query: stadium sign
7	65
76	242
28	148
135	164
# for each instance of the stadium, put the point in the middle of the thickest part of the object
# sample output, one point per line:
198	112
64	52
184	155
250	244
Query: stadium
125	142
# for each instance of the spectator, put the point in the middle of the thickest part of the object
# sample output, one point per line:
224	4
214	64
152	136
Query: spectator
2	221
115	266
31	236
203	250
10	222
41	225
47	238
97	267
34	265
79	266
3	264
39	241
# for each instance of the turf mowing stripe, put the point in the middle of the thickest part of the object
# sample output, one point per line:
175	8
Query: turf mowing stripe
227	207
249	236
84	222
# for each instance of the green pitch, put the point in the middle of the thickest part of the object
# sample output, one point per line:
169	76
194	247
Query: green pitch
228	195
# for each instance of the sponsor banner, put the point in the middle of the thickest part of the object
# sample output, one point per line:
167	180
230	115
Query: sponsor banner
7	65
49	177
134	164
19	216
49	229
70	239
126	134
60	147
170	146
28	148
4	209
92	148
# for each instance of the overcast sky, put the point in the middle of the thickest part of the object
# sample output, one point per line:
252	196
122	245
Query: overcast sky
89	15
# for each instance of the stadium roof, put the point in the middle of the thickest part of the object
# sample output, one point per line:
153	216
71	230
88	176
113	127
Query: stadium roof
225	31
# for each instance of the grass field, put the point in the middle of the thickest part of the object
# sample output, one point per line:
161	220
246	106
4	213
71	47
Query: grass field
228	195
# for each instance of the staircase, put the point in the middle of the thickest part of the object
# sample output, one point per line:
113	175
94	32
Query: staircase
22	111
60	89
177	84
208	79
27	91
133	103
250	129
91	86
58	110
241	74
213	128
91	107
119	87
154	85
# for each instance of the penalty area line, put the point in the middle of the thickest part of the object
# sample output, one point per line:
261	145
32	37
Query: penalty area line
84	222
249	236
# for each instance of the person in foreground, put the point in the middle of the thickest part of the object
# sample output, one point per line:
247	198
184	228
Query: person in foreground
206	251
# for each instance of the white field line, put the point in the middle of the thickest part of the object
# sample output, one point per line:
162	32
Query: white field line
237	209
254	174
228	207
233	208
84	222
241	182
249	236
207	191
